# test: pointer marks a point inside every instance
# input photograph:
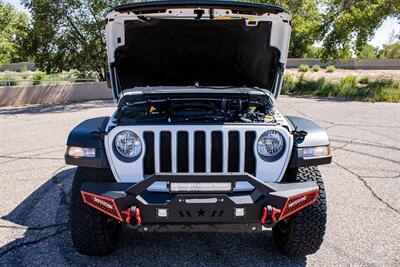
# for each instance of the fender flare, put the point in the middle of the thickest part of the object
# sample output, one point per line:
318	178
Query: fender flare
315	137
88	134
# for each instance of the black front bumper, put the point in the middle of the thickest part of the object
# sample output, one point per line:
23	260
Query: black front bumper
135	205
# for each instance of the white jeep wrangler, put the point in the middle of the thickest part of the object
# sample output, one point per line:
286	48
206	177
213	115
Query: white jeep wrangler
196	143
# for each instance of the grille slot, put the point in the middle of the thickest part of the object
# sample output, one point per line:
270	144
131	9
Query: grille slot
165	152
250	159
233	152
148	160
183	151
199	151
216	151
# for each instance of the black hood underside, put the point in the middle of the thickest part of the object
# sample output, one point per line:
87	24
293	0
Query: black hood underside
172	52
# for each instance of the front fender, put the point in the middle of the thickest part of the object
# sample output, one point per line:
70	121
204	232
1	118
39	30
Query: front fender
88	135
315	137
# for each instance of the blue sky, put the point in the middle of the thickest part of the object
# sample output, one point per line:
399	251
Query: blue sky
381	37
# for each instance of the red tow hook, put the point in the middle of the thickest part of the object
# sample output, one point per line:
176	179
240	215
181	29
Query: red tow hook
128	215
129	212
264	216
274	212
137	215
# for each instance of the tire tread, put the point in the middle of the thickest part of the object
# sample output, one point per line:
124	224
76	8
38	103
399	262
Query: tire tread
88	230
306	227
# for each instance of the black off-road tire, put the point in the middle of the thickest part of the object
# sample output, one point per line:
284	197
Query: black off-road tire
302	233
93	233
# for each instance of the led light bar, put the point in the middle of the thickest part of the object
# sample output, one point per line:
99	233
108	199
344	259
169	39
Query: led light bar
201	187
316	152
81	152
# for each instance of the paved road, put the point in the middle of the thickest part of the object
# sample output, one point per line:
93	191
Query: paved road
363	186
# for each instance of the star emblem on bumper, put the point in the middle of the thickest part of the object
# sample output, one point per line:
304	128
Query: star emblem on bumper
201	213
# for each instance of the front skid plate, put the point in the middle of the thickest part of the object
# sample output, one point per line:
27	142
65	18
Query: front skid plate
202	228
199	208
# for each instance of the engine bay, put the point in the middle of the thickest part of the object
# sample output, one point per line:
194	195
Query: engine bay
198	108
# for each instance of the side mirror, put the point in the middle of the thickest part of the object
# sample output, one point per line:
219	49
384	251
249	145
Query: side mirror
108	80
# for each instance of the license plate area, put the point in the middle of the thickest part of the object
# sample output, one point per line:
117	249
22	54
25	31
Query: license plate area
201	208
196	209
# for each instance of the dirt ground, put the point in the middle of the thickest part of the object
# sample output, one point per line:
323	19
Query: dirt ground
340	74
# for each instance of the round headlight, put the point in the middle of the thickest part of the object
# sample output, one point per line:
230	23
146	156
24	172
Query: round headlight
271	145
128	145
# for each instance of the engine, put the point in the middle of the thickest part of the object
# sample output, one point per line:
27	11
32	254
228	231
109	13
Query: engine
232	110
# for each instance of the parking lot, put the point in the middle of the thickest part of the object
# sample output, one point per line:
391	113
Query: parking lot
363	187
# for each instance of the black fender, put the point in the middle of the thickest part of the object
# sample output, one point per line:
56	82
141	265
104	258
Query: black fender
311	135
89	134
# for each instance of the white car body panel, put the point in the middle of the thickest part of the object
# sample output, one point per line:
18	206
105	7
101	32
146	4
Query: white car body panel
131	172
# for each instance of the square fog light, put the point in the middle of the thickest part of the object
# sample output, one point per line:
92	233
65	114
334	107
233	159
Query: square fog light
239	212
162	213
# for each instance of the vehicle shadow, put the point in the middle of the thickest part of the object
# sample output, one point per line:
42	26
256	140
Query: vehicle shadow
47	241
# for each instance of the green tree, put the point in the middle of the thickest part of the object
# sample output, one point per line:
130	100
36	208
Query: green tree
392	50
348	24
67	34
13	28
306	24
314	52
368	51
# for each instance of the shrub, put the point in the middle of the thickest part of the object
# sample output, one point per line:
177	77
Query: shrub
348	88
14	80
392	51
349	81
25	74
3	81
389	91
330	69
304	68
364	80
288	84
9	73
23	69
316	68
38	78
326	88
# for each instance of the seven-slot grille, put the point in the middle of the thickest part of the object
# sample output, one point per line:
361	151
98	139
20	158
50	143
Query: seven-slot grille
199	152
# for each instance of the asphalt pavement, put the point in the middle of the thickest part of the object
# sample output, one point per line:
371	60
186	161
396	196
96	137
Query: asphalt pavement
363	189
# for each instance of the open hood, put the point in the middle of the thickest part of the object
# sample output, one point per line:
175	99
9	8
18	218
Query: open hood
183	43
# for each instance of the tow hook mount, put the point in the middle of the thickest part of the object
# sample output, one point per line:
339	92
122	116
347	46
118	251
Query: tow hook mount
132	212
270	215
